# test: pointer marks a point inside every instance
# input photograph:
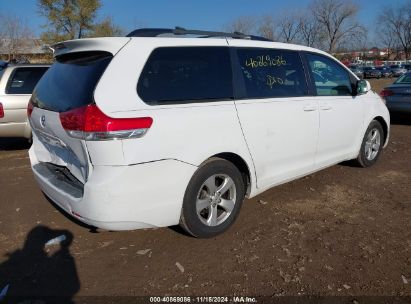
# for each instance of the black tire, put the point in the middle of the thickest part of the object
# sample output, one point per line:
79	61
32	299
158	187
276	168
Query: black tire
212	170
363	158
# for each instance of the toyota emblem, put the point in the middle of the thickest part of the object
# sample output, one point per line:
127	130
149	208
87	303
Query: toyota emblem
43	121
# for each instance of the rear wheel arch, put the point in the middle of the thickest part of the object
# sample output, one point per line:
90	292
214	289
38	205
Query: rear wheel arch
213	198
239	163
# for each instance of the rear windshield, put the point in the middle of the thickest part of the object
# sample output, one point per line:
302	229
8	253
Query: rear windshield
71	80
23	80
404	79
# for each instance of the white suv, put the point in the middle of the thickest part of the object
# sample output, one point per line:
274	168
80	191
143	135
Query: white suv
151	131
17	82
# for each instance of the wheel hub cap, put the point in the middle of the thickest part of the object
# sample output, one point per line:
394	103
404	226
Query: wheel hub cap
216	199
372	144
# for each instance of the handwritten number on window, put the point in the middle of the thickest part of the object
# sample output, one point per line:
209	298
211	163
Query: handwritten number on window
265	61
271	81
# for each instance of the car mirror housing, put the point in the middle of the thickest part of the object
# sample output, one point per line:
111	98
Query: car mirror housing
363	87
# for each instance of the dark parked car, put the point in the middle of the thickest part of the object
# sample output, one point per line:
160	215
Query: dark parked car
357	71
407	67
398	94
397	70
371	72
385	71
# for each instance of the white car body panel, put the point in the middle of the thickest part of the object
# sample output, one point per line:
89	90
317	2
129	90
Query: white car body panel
169	121
125	197
277	156
340	118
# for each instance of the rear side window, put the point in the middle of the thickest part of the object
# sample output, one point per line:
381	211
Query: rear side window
270	73
23	80
177	75
71	80
330	78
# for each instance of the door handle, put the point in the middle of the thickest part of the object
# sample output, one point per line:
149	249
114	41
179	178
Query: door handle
310	107
325	106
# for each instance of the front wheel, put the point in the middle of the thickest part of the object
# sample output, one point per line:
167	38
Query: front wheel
213	199
371	145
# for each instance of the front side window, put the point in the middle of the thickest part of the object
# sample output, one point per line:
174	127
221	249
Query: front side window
177	75
270	73
330	78
23	80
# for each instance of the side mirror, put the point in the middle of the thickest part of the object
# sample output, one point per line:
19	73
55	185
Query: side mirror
363	87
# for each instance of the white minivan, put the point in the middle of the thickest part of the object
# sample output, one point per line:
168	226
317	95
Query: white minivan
167	127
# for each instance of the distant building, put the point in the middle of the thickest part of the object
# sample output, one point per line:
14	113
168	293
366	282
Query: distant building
22	48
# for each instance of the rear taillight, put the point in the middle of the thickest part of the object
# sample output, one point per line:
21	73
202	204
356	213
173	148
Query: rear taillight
29	109
90	123
1	110
385	93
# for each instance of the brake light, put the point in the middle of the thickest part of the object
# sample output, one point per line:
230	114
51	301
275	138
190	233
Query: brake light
90	123
1	110
29	109
386	92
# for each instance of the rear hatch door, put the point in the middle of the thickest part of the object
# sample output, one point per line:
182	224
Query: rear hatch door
51	144
68	84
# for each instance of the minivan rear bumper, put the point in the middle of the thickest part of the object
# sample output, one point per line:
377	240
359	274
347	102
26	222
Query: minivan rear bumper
122	197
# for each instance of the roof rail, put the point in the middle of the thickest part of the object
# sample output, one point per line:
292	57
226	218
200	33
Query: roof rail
180	31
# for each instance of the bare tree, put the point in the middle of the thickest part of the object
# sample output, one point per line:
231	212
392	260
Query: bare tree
310	34
15	35
243	24
289	27
387	38
338	22
396	25
267	27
